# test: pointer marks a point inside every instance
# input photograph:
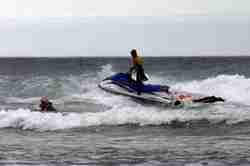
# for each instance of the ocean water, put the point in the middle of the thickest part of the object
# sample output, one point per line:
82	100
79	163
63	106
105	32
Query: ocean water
94	127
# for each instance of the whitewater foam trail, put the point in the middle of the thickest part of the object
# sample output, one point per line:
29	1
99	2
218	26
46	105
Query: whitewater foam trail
121	115
141	115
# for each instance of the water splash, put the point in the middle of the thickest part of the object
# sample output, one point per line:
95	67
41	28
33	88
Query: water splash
234	88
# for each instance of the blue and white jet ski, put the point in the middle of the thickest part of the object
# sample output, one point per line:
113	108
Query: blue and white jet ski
122	84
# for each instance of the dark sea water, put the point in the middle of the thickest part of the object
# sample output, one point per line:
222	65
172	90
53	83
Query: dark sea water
94	127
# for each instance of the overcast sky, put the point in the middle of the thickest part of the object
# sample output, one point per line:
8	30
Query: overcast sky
175	27
59	8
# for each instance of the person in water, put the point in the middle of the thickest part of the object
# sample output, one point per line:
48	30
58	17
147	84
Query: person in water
46	105
137	62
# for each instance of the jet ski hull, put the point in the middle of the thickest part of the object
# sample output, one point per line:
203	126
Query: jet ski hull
119	84
109	86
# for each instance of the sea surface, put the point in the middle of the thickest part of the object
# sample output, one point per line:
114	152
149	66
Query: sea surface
94	127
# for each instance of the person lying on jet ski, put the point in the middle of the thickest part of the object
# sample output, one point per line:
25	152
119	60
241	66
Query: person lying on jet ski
209	99
46	105
137	67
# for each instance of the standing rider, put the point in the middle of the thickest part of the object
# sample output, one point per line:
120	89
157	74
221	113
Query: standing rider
137	62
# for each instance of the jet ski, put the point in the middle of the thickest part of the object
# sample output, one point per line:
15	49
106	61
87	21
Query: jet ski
123	84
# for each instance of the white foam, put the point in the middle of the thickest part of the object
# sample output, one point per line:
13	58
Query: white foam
121	115
151	116
107	70
231	87
25	119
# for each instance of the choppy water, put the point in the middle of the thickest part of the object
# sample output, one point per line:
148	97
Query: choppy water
94	127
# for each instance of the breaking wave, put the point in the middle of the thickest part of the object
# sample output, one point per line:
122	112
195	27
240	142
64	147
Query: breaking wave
138	115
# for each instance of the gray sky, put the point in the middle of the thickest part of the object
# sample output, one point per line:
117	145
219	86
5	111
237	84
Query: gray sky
59	8
113	27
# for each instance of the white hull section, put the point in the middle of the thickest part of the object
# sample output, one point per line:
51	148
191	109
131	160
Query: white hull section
160	97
